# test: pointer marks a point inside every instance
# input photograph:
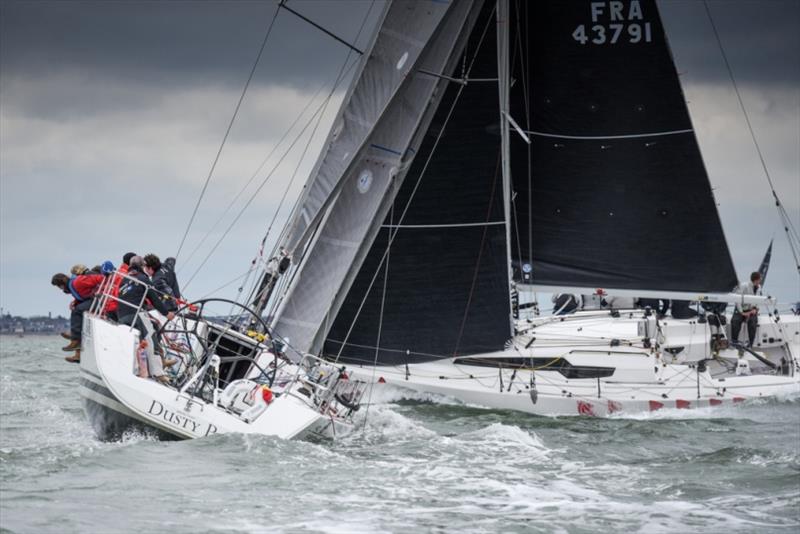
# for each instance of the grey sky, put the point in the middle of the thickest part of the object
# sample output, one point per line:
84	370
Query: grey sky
111	114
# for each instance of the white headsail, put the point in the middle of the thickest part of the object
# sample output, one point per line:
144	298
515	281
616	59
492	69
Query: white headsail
414	40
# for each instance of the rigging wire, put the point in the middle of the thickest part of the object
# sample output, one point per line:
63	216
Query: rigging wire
380	323
255	174
336	83
416	186
228	130
258	189
226	284
339	78
791	232
343	70
478	261
291	181
319	113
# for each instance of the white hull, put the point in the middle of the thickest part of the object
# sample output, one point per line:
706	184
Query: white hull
118	401
638	379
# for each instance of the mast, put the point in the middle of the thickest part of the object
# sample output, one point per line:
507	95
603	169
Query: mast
503	83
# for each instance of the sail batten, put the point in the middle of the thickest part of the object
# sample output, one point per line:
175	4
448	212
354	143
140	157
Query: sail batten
600	137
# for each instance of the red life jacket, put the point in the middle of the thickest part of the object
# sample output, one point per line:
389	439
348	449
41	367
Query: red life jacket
111	304
84	286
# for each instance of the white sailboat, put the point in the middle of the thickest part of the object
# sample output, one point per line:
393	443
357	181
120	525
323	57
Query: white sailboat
226	379
487	147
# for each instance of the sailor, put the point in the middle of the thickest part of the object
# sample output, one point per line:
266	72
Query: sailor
83	288
715	314
162	281
169	273
111	304
746	312
132	293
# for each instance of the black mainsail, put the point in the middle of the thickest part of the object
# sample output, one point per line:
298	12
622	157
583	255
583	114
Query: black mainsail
612	191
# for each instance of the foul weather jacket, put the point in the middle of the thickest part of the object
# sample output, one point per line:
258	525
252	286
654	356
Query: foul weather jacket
161	282
84	286
132	292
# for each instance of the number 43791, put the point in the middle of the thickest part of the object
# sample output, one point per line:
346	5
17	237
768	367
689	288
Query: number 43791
599	34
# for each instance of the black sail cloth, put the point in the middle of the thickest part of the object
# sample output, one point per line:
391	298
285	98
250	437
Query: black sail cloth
614	192
446	287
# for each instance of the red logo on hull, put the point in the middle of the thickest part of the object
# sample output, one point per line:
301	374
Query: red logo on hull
585	408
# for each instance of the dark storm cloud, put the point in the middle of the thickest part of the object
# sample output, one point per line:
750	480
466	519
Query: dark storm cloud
111	113
760	38
163	43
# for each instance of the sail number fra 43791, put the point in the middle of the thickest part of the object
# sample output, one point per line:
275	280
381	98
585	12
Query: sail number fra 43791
613	22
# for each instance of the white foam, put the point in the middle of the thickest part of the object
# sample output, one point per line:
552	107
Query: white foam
386	394
384	420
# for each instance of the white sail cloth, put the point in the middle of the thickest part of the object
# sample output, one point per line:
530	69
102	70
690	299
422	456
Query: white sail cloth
381	161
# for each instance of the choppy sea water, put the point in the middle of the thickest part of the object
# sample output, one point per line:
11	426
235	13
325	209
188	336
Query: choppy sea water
420	464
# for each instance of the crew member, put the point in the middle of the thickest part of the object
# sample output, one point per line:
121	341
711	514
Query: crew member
132	293
160	274
746	312
83	288
112	305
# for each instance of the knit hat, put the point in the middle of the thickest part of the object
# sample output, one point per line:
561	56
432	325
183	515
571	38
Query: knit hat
107	267
78	269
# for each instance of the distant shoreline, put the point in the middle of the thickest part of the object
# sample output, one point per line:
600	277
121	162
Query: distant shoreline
28	334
